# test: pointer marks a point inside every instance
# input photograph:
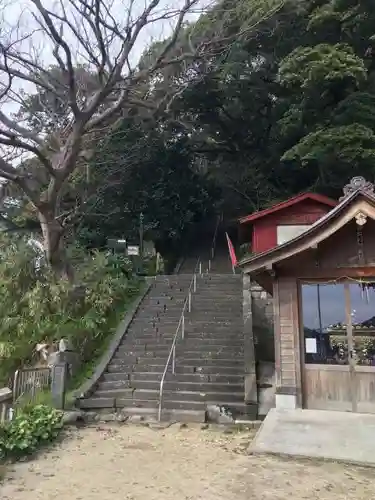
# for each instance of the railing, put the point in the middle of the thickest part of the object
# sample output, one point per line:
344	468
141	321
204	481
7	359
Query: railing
180	329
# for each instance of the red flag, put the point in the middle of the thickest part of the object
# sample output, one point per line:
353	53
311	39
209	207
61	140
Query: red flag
232	253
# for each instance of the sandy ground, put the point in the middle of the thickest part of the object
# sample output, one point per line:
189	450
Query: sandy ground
141	463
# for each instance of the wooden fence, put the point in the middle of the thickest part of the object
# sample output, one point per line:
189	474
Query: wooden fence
27	383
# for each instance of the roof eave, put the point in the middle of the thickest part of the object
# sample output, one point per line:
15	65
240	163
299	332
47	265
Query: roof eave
254	262
324	200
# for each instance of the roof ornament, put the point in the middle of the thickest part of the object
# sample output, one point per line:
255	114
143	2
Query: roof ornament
358	183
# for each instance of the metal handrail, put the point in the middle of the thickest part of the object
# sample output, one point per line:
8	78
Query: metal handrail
181	325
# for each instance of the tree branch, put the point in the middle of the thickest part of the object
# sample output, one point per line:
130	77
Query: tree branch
69	71
27	134
10	139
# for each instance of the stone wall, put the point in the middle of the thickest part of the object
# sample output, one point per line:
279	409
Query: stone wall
262	323
251	390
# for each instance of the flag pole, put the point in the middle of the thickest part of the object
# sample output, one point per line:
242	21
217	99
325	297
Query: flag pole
232	253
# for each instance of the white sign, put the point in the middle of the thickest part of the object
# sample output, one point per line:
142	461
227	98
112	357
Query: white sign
311	347
133	250
121	241
289	232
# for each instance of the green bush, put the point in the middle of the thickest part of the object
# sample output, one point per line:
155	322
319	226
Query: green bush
36	307
32	428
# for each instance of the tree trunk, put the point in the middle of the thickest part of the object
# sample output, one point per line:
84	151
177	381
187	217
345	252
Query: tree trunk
54	245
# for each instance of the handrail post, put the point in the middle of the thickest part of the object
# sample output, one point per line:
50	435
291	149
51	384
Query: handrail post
160	400
174	359
209	264
195	283
183	326
200	268
189	301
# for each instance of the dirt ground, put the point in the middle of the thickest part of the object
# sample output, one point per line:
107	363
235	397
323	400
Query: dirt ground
191	463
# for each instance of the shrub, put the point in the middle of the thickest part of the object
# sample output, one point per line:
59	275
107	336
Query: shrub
32	428
36	307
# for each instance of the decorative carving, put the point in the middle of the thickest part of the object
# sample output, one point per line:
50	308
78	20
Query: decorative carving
356	184
360	219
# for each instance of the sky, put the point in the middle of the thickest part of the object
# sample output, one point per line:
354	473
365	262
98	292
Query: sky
18	20
18	23
19	26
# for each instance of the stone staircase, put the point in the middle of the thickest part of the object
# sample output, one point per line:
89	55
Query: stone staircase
210	364
209	361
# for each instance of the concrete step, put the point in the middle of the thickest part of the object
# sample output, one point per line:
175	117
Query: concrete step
217	312
210	353
169	385
206	368
185	349
160	334
160	337
217	377
172	296
200	327
217	292
202	405
141	349
187	415
186	405
159	340
198	367
216	337
192	360
143	321
122	396
140	355
148	412
190	318
173	279
162	308
215	324
198	363
218	275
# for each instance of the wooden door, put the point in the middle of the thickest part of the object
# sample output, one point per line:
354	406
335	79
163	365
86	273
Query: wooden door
361	333
327	372
339	346
339	337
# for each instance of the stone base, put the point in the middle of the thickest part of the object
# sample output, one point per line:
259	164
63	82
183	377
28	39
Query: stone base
286	402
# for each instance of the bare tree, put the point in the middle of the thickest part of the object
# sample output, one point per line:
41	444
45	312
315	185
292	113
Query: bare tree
103	35
100	38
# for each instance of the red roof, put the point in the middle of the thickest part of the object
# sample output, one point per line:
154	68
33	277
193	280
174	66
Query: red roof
320	198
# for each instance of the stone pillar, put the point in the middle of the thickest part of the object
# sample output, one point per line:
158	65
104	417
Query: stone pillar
251	391
58	385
